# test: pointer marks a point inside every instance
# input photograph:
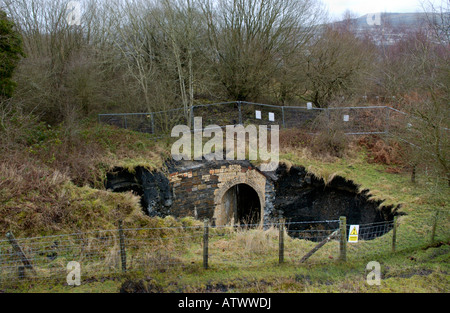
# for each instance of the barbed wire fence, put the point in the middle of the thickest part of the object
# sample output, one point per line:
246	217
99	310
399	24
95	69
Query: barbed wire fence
110	253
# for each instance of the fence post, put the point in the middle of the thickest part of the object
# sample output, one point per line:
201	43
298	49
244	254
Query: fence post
433	227
394	234
153	122
240	112
281	241
386	127
21	272
343	238
282	115
413	174
328	119
123	253
19	252
205	243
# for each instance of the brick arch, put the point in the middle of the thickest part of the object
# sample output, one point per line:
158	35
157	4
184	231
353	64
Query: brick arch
219	209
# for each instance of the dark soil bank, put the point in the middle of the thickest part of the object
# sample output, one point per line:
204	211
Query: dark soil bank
302	197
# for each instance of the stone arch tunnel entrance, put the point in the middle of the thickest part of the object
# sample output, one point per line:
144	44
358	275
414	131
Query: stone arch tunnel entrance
237	193
241	204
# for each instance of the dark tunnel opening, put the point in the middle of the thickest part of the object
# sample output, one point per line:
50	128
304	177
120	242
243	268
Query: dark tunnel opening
242	203
123	181
152	188
303	198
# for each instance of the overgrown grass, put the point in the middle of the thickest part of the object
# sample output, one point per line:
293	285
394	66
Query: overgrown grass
52	180
421	270
245	260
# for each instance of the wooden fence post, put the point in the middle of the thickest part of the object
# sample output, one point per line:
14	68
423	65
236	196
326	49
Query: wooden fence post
205	243
16	247
343	238
123	252
394	235
21	271
281	241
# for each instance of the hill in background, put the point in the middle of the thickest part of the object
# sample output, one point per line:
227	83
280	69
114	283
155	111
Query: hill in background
389	28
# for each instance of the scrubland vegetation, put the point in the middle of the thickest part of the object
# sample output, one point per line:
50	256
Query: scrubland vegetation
146	56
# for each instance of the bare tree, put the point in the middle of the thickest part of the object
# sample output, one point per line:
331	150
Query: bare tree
181	23
336	64
438	19
423	59
251	39
58	79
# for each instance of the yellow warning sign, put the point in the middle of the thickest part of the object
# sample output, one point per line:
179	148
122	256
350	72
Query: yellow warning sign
354	231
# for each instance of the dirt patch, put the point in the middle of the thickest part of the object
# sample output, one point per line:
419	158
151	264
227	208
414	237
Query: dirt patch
140	286
437	244
219	287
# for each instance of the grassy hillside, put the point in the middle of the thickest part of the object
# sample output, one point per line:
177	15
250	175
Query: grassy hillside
52	178
54	185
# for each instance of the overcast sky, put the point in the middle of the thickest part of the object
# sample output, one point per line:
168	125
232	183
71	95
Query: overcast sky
360	7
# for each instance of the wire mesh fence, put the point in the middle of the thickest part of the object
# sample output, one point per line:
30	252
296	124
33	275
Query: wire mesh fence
152	123
220	114
360	120
239	246
301	117
263	114
158	248
47	257
108	253
352	120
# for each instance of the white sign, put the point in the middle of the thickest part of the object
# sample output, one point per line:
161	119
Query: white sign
346	118
309	105
353	234
258	114
271	117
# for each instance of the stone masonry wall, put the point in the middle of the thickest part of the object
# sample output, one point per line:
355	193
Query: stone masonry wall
198	189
